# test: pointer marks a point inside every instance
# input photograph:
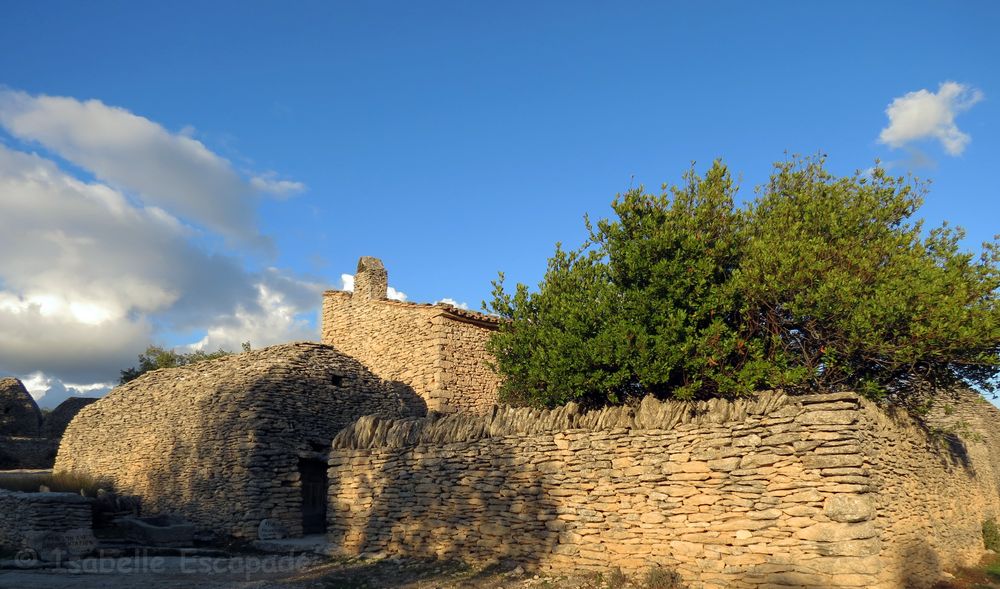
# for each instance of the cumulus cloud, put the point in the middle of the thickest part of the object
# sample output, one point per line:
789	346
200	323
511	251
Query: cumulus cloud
284	306
454	303
50	392
93	271
132	153
921	115
347	283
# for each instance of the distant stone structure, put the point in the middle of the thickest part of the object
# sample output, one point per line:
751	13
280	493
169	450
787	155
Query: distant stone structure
19	414
27	438
233	441
439	350
818	491
55	422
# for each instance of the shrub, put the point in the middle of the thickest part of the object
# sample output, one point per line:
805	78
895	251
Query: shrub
661	578
156	357
820	283
991	535
616	579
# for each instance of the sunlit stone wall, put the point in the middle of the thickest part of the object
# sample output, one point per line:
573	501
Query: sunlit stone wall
439	350
809	491
219	442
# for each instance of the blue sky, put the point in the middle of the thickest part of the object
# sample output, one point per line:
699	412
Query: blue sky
451	139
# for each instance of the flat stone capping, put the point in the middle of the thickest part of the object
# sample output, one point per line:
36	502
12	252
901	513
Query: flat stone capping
375	432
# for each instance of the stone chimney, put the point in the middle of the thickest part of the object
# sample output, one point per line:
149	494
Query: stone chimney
371	281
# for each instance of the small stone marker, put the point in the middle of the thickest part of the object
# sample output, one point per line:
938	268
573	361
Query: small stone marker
270	529
80	541
49	546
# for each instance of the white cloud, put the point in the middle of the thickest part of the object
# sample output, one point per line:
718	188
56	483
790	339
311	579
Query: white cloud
347	283
90	274
49	392
267	183
454	303
929	115
281	314
134	154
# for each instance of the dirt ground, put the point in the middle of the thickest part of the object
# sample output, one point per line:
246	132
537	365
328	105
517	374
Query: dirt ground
977	577
291	572
313	572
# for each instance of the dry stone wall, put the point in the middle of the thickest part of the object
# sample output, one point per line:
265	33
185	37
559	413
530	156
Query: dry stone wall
18	453
23	514
219	442
393	340
470	384
27	439
438	350
808	491
937	481
58	419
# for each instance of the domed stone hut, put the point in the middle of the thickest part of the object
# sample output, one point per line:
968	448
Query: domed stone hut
19	414
230	442
55	421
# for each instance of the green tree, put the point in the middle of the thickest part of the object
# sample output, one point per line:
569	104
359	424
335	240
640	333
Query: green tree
820	283
156	357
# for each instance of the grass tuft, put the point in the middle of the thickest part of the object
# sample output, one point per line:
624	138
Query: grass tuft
59	482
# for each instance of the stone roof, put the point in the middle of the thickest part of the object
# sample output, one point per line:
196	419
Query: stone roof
451	310
19	414
377	432
56	421
266	372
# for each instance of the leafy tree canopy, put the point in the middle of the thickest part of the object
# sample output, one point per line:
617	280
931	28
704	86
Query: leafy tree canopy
820	283
156	357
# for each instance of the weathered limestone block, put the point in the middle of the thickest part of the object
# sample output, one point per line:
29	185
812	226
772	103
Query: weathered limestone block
849	508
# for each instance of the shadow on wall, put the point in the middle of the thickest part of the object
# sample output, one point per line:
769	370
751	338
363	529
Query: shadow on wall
495	510
257	449
220	443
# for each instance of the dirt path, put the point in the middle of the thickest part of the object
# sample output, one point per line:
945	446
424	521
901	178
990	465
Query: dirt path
282	572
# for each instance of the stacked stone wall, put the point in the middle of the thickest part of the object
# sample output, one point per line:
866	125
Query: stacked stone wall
809	491
395	341
936	481
469	382
434	349
22	514
19	453
219	442
58	419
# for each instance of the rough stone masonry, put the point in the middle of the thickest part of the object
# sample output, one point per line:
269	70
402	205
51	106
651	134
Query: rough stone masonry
439	350
223	442
808	491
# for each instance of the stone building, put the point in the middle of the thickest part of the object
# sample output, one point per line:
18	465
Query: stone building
230	442
19	414
22	440
29	439
58	419
439	350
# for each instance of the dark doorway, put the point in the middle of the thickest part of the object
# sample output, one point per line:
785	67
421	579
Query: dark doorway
314	497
